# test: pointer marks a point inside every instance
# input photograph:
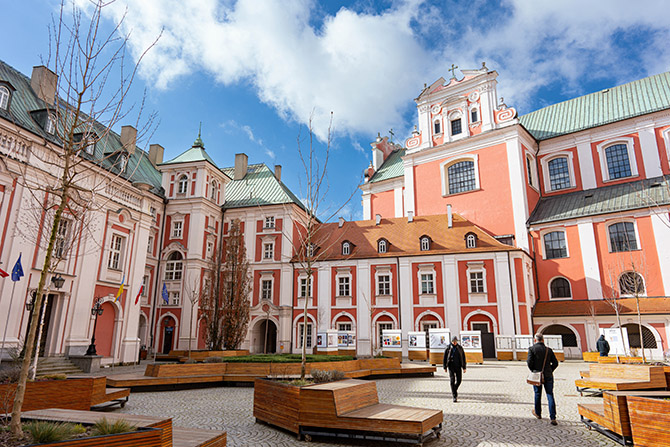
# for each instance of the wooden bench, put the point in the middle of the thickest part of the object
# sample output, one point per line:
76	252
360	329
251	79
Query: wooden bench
617	377
103	396
343	408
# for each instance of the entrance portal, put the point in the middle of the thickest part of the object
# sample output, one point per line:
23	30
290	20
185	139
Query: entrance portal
488	340
266	337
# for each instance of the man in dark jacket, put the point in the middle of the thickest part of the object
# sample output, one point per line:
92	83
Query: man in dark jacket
536	359
454	360
603	346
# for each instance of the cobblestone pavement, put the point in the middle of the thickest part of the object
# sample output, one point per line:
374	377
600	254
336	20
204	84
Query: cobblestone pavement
493	410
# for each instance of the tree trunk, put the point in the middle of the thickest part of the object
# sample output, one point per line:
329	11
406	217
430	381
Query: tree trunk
304	322
639	324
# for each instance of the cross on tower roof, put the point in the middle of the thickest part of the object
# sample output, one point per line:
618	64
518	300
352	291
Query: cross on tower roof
453	70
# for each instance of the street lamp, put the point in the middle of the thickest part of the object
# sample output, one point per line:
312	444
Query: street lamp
96	311
30	304
58	281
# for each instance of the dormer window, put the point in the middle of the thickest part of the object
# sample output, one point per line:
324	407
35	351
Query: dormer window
182	185
425	243
213	192
123	162
470	240
85	143
382	246
346	248
311	249
50	126
437	126
4	97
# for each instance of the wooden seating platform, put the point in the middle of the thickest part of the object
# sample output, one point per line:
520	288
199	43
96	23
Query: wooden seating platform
618	377
170	436
344	408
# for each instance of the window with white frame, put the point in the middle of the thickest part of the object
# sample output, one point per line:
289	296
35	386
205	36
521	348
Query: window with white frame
307	335
559	173
268	250
145	286
4	97
214	189
618	163
266	289
555	245
174	299
343	286
560	288
425	243
631	283
346	248
474	115
471	240
174	266
305	287
530	170
461	177
456	126
61	242
437	127
381	327
123	162
622	237
50	126
477	282
427	283
269	222
116	252
150	245
311	250
177	227
209	253
384	285
382	246
344	327
182	184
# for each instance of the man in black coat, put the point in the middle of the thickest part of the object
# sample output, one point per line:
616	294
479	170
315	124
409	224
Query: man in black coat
454	360
535	361
603	346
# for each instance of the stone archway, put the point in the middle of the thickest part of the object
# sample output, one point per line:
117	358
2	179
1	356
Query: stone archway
570	338
265	337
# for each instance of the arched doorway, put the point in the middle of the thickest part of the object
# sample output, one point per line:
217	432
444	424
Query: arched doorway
104	332
483	324
571	347
168	334
651	347
266	337
142	330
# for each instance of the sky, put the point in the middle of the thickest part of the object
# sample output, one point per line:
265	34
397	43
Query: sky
257	72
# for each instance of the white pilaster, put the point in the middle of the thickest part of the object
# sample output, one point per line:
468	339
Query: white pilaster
406	298
451	295
397	201
504	293
324	298
365	201
518	192
587	242
649	149
661	228
409	187
585	156
363	302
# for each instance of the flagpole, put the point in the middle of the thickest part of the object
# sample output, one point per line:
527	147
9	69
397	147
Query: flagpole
9	312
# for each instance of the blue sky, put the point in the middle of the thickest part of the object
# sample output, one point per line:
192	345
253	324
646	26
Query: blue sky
254	71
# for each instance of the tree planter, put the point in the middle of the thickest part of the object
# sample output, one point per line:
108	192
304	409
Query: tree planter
142	437
649	421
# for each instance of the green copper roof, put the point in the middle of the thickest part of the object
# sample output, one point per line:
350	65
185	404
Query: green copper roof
607	106
608	199
196	153
258	187
391	168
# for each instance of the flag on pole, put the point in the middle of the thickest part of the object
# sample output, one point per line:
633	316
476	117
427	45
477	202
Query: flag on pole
118	294
3	274
164	294
137	298
17	271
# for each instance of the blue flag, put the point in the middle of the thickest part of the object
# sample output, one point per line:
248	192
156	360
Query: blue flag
17	271
164	294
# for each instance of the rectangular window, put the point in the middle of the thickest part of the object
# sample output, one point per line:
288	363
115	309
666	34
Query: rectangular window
305	288
268	250
210	250
266	289
622	236
150	245
145	286
618	164
529	168
476	282
474	116
559	174
308	335
343	286
427	286
456	127
344	327
554	245
61	242
115	251
461	177
384	285
269	222
177	229
174	298
383	327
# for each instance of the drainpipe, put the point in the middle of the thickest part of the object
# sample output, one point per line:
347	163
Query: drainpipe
157	278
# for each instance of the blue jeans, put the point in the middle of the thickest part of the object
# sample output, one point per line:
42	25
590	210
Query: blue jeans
549	389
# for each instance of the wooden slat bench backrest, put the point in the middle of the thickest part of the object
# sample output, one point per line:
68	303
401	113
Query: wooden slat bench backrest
616	412
392	363
650	419
280	404
74	394
99	393
618	371
188	369
352	398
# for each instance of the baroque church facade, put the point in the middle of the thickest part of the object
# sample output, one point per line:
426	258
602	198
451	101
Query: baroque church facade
482	220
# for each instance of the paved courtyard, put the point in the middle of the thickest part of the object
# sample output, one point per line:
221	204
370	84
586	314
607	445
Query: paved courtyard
493	410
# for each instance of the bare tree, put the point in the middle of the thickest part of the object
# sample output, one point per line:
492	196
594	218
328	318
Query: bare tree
86	105
612	298
236	288
211	304
194	296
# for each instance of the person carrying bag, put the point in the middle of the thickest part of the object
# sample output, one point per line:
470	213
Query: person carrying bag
542	376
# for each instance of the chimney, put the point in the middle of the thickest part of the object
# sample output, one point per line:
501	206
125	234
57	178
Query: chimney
156	154
341	223
378	219
128	138
241	161
43	81
410	216
278	172
450	217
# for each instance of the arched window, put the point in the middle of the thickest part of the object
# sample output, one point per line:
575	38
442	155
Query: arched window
618	163
425	243
50	126
214	190
631	283
470	240
462	176
560	288
4	97
346	248
633	330
174	266
622	236
182	185
555	246
559	173
382	246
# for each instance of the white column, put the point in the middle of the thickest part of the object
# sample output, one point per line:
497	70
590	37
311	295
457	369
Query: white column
587	242
649	149
406	298
661	228
451	291
365	201
363	301
409	187
397	201
515	296
324	294
586	167
487	104
518	192
503	291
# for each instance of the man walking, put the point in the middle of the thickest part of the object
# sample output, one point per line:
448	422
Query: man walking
454	360
603	346
542	358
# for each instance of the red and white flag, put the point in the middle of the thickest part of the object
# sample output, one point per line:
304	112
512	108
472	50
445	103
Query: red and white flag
137	298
